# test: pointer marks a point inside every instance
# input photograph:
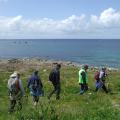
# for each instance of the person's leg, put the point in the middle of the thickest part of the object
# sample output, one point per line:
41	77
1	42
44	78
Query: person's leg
85	87
53	91
82	89
58	89
12	105
104	88
20	104
35	100
99	85
96	89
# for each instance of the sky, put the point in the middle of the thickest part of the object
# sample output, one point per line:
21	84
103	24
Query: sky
59	19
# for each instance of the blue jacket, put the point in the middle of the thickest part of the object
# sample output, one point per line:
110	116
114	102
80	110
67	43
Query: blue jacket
34	80
35	85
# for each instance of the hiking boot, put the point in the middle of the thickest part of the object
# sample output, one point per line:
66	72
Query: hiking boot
81	92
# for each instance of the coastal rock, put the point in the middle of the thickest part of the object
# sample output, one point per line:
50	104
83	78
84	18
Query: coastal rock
14	60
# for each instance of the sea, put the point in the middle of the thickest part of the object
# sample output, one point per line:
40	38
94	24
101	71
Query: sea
95	52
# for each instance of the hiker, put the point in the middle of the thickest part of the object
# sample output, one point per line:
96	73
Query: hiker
100	77
36	87
54	78
16	91
83	80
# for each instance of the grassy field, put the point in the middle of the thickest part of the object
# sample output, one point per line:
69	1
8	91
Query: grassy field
71	106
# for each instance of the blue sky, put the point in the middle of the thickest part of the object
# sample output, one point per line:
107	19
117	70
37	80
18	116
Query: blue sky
59	18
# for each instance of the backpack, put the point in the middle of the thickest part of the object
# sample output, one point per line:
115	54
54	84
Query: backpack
96	76
13	85
51	76
34	85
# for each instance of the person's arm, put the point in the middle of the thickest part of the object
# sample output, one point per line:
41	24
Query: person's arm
84	77
40	82
57	76
28	84
9	82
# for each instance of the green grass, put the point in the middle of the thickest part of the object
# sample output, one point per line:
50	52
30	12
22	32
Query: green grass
71	106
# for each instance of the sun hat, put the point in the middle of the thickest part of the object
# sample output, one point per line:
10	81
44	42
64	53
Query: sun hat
15	74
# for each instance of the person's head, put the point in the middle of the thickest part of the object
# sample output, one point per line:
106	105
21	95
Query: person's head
54	65
104	69
85	67
15	75
58	66
36	72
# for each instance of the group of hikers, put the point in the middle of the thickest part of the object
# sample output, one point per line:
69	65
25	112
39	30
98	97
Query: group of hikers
35	86
100	77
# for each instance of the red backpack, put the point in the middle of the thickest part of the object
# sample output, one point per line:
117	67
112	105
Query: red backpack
96	76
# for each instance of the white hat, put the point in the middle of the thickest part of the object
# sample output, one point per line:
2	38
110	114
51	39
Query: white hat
13	75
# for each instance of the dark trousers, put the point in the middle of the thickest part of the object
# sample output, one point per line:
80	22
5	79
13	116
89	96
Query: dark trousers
13	103
35	98
56	90
103	87
84	87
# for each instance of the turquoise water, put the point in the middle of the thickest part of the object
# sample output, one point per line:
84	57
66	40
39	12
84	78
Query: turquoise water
95	52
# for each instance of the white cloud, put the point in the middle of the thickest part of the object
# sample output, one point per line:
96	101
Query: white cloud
74	26
108	18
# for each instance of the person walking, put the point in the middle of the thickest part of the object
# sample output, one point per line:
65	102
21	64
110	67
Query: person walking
35	86
16	91
54	77
83	80
100	78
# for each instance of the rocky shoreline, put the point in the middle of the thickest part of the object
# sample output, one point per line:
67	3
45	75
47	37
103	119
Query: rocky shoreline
42	62
39	61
